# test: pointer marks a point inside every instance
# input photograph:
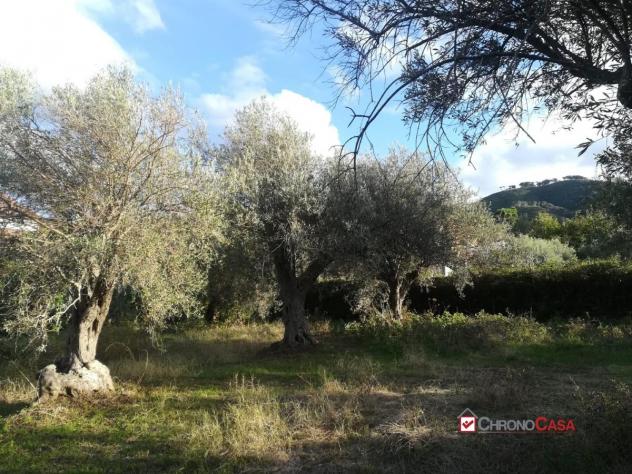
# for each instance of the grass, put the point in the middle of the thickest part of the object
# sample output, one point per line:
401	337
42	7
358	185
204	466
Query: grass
372	397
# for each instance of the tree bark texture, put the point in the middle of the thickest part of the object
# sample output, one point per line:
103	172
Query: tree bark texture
395	298
293	290
78	372
294	319
398	288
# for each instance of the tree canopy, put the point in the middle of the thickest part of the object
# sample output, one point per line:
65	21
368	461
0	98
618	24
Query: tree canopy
280	201
410	218
99	185
463	67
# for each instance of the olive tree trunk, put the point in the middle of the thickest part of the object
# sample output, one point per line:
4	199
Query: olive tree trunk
398	288
293	290
396	298
294	318
78	372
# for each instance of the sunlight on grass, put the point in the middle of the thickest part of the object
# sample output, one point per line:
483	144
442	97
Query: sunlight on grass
214	402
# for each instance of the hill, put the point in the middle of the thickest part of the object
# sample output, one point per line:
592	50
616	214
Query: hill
560	198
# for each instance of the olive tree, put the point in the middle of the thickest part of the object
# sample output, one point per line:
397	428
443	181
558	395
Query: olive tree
524	251
413	217
281	204
464	67
99	185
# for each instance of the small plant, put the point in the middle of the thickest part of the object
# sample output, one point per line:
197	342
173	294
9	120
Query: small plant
253	424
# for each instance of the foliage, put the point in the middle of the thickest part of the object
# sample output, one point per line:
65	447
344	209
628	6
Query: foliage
403	205
102	185
455	332
410	217
241	283
596	234
508	215
274	183
563	199
599	289
337	299
240	286
473	66
280	204
616	163
593	234
545	226
523	251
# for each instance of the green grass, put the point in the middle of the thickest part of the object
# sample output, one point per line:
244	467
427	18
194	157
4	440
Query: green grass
374	397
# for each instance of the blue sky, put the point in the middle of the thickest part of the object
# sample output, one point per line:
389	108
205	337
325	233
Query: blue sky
224	53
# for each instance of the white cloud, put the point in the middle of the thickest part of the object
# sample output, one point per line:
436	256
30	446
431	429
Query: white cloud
144	15
274	29
247	77
554	155
141	15
247	82
56	40
311	117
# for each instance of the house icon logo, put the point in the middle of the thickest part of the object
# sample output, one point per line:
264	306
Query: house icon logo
467	421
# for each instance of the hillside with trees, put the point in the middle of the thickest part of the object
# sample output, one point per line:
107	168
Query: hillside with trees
562	198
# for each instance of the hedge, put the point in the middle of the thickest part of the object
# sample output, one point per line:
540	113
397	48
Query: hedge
331	299
599	290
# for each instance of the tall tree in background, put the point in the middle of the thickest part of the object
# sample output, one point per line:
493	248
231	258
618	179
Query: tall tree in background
411	218
464	67
545	226
280	193
97	185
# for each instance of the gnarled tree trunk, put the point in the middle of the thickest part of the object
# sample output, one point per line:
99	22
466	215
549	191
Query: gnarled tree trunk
78	372
294	317
398	288
293	290
85	328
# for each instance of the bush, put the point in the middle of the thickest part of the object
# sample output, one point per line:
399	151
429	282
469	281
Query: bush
333	300
453	332
599	290
524	251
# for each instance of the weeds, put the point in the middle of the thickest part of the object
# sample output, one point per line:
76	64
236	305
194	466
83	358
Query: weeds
211	402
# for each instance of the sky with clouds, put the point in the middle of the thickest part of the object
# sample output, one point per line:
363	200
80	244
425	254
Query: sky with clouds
225	53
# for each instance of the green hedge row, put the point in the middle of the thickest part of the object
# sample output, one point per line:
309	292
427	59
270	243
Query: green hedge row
599	290
331	299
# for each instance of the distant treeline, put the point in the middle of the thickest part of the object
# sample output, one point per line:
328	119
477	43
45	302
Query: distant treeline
544	182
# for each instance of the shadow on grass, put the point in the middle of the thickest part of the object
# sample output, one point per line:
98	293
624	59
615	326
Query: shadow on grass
63	449
453	453
8	409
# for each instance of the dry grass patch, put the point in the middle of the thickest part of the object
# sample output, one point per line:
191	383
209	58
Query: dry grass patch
500	389
249	426
254	426
339	408
18	391
154	368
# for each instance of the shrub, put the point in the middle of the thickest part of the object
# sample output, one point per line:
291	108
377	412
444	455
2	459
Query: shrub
452	332
606	414
599	289
524	251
